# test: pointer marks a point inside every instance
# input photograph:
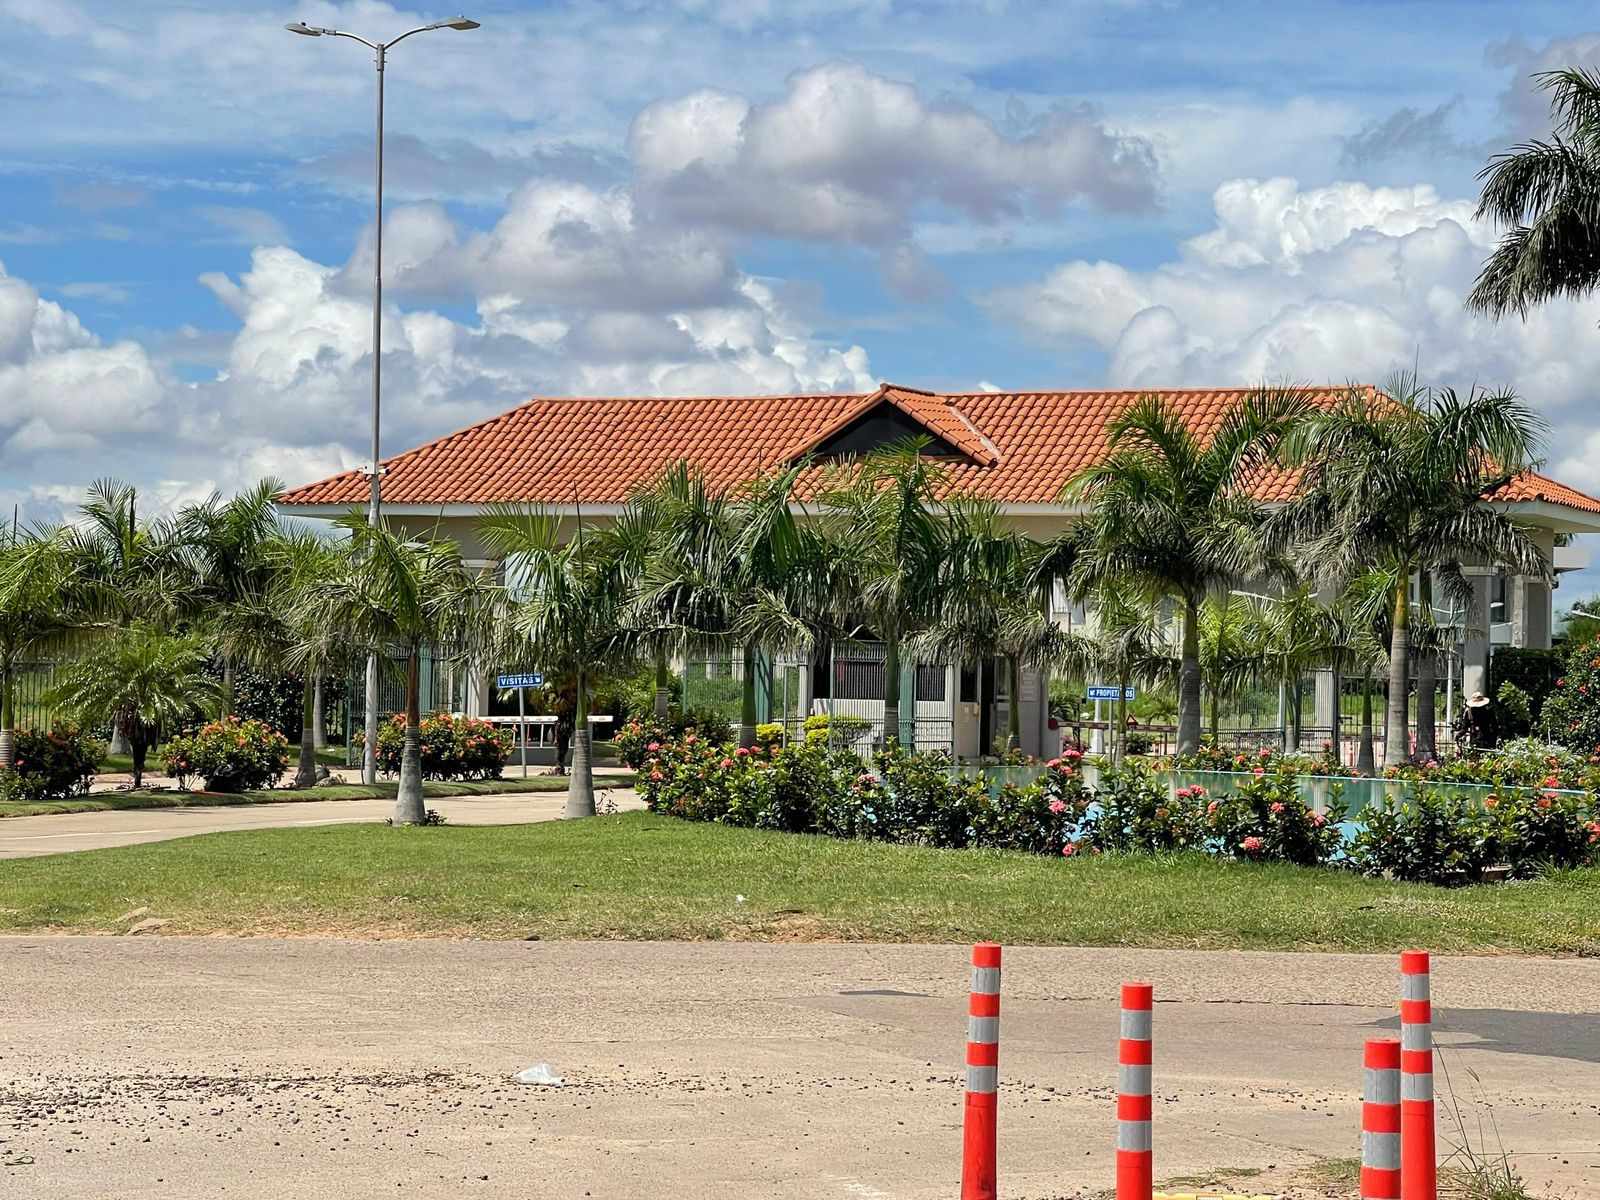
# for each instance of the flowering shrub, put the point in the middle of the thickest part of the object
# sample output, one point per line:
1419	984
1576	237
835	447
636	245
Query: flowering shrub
230	755
633	740
452	747
51	765
1264	820
1218	758
1523	763
1571	711
1136	814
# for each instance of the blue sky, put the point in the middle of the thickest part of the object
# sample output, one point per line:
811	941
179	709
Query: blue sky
712	195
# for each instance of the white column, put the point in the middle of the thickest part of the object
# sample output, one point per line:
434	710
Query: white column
1475	634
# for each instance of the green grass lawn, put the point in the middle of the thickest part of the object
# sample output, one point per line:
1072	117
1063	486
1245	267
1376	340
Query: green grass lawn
643	876
106	801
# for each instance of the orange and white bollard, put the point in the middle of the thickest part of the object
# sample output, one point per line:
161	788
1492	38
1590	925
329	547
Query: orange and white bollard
983	1071
1380	1121
1135	1161
1419	1166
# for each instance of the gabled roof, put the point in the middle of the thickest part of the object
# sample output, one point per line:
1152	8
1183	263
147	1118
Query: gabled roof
1017	448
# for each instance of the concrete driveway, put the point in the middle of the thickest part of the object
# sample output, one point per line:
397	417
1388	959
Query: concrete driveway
26	837
168	1067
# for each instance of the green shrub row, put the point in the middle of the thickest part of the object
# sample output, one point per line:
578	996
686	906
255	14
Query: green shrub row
452	747
921	799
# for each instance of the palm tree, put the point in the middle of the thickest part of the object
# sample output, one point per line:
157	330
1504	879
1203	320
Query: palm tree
892	541
292	631
1174	513
566	605
1546	193
1127	644
42	584
1292	634
228	541
1361	621
1228	651
992	599
142	681
387	594
1401	484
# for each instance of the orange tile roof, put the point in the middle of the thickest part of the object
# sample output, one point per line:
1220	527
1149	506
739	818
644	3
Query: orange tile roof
1018	447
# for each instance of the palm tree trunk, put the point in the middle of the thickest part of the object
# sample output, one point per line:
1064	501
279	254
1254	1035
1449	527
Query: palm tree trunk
663	687
1189	680
1427	677
891	692
1014	709
1216	716
1364	758
1296	714
408	806
137	747
8	720
580	788
747	699
227	685
319	717
306	773
1396	739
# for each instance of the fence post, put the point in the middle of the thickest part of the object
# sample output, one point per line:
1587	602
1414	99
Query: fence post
1135	1160
1380	1120
978	1150
1419	1168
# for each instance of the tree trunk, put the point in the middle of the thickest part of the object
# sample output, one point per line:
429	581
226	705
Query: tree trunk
1216	717
8	721
580	789
891	692
1427	677
1396	734
408	806
319	717
1014	709
137	746
1364	757
227	686
663	688
1119	742
119	740
1189	680
1296	714
306	774
747	699
369	752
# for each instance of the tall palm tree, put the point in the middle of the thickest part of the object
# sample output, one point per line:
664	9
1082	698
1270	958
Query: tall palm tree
293	633
1173	512
992	599
1361	621
391	595
1126	643
228	542
42	592
892	539
566	599
1546	194
142	681
1401	483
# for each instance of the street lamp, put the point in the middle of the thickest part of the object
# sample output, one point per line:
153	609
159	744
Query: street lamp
380	50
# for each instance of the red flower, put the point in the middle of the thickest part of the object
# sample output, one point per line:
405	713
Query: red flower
1250	845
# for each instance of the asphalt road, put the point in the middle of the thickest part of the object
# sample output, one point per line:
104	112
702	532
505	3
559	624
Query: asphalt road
26	837
165	1067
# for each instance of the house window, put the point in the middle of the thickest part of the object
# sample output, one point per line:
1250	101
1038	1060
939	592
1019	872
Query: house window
930	681
1499	595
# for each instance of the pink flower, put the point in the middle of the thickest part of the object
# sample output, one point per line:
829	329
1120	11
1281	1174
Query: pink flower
1258	772
1069	849
1053	763
743	752
1073	753
1544	801
656	775
1250	845
1317	819
726	763
653	747
1265	752
1058	807
1277	807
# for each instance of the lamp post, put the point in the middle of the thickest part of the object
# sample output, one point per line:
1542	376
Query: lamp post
374	472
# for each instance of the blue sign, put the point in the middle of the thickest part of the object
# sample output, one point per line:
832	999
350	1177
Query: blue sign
529	679
1101	691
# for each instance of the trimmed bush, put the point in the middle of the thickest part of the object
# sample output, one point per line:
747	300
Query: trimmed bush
52	765
1571	712
1264	820
230	755
452	747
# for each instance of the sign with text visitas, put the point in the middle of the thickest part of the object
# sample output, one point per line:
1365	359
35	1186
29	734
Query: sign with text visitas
524	680
1103	691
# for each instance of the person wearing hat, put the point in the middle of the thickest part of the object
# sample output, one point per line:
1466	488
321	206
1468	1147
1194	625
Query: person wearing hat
1483	728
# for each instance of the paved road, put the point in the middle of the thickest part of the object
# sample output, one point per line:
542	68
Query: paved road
172	1068
26	837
